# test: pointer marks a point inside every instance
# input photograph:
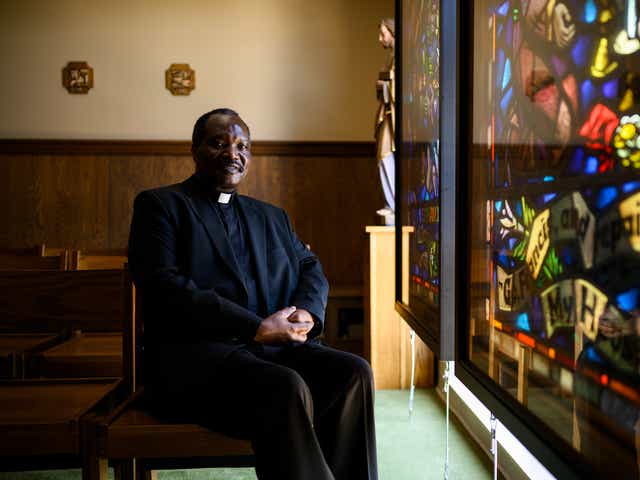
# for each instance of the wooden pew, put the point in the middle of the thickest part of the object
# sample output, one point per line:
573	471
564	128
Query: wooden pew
42	301
86	353
35	250
132	432
24	293
40	420
81	355
13	261
16	348
98	259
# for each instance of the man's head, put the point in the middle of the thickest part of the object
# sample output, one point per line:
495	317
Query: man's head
221	148
386	36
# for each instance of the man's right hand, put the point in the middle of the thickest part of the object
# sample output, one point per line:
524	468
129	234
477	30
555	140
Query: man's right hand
277	328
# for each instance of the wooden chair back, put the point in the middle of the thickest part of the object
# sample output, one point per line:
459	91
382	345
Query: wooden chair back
37	250
131	336
13	261
50	301
98	260
53	251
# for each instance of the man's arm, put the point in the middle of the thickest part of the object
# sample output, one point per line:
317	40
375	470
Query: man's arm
153	262
313	289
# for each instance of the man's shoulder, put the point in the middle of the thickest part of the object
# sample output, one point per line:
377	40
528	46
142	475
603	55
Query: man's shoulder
170	198
164	193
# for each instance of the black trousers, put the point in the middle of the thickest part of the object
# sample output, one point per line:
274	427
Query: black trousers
307	409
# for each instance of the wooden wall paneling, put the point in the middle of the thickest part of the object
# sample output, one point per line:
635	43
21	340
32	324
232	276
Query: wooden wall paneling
20	218
6	200
329	200
74	200
130	175
79	194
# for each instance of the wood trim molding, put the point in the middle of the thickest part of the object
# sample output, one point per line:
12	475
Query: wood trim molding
158	147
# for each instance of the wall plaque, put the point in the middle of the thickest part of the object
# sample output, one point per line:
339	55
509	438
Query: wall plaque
180	79
77	77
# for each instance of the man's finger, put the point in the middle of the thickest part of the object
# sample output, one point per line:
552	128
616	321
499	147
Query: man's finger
301	326
296	317
299	337
287	311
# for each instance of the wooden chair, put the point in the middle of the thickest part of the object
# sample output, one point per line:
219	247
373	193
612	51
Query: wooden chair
98	259
132	432
40	420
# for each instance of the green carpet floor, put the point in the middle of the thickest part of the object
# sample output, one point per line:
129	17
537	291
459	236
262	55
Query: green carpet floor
409	448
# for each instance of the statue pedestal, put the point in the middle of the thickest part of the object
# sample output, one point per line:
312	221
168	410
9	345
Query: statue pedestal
386	340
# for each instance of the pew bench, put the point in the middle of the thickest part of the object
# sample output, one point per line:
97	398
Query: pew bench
82	355
22	261
32	302
86	353
41	419
114	259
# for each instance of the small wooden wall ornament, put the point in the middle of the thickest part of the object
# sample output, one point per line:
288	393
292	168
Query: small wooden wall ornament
77	77
180	79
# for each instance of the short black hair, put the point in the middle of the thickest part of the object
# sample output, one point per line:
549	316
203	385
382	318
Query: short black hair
198	128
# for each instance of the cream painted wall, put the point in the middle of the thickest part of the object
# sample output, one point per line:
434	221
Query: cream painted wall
294	69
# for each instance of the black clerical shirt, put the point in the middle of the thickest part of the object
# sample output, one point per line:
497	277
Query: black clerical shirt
236	228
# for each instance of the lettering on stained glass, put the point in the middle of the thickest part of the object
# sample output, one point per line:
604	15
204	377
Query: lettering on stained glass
514	289
538	243
572	301
572	220
618	230
630	214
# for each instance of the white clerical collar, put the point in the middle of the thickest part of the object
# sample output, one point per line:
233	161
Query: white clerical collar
224	197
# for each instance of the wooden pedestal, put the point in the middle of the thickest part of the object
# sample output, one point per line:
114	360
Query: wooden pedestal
386	338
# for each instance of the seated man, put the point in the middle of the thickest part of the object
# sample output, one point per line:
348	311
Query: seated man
233	303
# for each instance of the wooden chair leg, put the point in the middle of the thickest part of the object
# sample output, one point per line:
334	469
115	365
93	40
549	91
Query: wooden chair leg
124	470
144	474
94	467
97	469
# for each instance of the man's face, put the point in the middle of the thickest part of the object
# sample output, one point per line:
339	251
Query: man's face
224	154
385	37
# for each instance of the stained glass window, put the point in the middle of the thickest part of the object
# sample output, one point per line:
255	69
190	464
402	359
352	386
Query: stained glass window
555	221
420	161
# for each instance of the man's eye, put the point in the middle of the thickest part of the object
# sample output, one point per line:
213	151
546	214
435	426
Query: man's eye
242	147
216	143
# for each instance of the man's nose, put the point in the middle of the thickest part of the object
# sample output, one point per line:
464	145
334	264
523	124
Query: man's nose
232	151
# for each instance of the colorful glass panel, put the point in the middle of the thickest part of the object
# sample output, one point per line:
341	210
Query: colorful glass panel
420	162
555	220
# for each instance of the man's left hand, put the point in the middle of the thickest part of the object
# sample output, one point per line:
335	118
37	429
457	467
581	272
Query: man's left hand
301	316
